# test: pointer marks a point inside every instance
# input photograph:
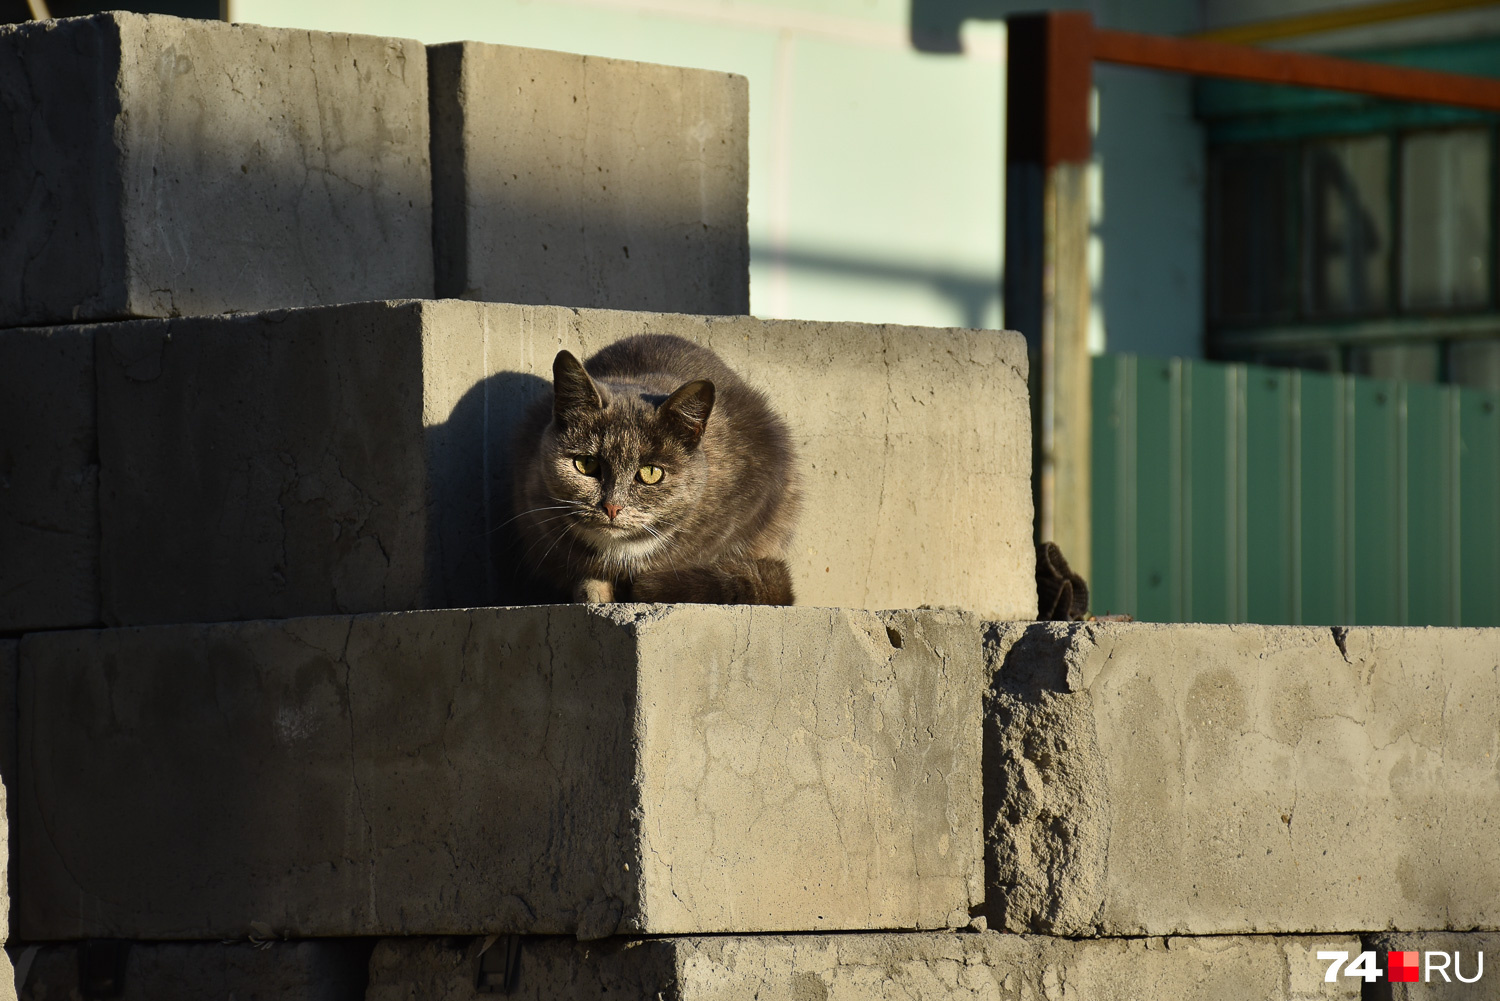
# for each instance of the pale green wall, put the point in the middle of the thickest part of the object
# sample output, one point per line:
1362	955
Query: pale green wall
876	169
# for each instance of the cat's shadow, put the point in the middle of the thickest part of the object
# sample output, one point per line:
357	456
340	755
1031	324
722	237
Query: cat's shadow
474	555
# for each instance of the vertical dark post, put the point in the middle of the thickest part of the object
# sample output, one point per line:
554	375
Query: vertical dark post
1049	77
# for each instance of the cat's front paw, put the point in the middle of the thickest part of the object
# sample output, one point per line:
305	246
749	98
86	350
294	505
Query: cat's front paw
594	592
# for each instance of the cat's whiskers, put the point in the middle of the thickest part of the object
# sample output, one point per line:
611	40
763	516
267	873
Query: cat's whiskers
543	537
535	510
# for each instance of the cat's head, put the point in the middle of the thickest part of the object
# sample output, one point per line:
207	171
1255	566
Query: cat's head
627	465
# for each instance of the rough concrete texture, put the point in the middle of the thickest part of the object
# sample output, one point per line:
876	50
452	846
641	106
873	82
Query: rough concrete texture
168	166
355	458
570	769
49	480
1148	779
887	967
325	970
1478	954
580	181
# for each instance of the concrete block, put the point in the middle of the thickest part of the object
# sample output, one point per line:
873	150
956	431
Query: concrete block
49	479
881	967
567	769
325	970
355	458
1472	955
166	166
1148	779
580	181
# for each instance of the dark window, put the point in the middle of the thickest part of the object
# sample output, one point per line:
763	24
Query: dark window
1445	219
1253	247
1346	225
1365	253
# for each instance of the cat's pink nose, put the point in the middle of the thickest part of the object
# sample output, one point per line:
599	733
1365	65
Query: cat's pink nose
611	510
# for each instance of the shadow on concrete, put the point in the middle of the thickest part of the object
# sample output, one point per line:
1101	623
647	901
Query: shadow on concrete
473	533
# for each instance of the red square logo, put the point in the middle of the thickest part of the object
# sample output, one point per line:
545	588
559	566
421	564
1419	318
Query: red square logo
1401	967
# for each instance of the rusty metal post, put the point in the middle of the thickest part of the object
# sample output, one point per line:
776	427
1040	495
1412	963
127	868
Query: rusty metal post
1049	77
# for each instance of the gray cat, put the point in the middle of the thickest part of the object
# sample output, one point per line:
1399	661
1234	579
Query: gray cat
656	474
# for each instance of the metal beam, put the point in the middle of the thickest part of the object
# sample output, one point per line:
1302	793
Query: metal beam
1241	62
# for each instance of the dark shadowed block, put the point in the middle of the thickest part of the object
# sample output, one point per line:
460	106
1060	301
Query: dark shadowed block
319	970
49	479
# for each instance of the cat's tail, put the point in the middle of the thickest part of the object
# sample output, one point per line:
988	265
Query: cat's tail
731	580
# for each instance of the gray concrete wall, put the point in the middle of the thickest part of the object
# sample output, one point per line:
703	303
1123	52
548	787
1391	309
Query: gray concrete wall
49	501
910	967
326	970
580	181
1146	779
571	769
168	167
355	458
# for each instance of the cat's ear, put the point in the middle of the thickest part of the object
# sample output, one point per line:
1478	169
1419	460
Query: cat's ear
572	389
688	408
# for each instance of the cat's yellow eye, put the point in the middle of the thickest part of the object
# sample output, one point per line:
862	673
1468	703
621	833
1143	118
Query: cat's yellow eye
650	474
588	465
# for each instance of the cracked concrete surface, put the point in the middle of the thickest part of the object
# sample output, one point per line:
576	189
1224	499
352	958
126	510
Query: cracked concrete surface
874	967
1249	778
583	181
178	167
570	769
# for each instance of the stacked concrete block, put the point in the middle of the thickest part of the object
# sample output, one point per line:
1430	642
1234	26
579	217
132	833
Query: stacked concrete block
1205	780
163	167
355	458
580	181
881	967
584	770
322	970
573	802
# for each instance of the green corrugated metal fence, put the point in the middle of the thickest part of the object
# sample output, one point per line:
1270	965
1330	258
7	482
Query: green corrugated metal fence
1234	493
